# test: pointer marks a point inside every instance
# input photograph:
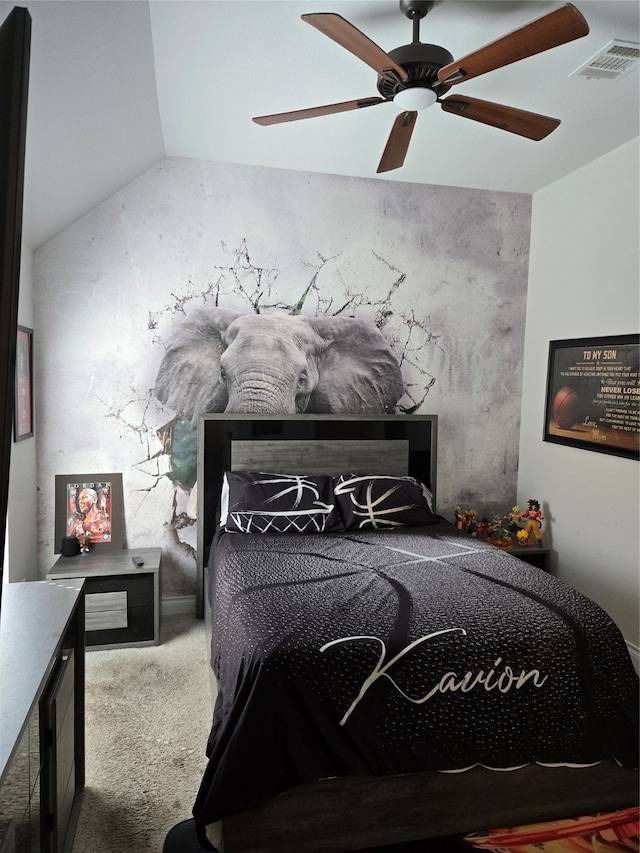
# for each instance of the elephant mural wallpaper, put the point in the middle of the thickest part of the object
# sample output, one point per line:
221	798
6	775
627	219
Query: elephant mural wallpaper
207	287
224	361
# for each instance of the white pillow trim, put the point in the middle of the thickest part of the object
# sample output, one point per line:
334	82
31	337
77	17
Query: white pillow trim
224	501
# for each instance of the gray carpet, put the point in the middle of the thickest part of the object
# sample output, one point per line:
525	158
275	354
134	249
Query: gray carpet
148	715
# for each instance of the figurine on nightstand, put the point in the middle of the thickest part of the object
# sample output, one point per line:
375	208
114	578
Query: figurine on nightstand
533	521
471	525
515	520
466	520
485	528
499	535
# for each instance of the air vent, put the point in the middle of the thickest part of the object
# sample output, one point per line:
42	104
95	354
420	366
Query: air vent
614	61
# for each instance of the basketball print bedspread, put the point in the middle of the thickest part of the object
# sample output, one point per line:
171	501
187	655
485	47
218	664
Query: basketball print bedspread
394	652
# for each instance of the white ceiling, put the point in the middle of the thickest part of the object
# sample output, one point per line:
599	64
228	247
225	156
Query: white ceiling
117	85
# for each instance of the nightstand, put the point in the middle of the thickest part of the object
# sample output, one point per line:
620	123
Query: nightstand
122	600
539	557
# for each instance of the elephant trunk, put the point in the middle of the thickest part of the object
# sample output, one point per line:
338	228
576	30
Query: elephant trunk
264	395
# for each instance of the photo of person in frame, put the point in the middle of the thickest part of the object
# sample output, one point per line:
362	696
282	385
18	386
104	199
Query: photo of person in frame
89	511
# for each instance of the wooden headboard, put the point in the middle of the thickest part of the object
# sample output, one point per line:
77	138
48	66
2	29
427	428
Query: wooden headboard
306	444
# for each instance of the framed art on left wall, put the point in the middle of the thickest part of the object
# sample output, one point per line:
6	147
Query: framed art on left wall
23	405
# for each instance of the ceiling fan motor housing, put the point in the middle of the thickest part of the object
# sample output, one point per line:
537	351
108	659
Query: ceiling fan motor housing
422	63
415	8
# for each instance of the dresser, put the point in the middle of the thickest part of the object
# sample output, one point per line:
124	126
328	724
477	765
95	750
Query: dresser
42	744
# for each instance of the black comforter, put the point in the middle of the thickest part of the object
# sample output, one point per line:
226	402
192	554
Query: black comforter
392	652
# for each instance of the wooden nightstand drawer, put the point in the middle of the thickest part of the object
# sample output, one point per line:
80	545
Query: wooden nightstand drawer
139	629
136	590
119	609
106	610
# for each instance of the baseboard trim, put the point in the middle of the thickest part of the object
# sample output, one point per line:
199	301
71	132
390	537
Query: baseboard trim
176	605
634	651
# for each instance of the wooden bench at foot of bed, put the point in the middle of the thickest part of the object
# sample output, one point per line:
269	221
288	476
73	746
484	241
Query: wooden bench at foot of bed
338	815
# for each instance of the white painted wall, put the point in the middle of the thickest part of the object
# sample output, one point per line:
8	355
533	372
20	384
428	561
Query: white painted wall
21	550
584	280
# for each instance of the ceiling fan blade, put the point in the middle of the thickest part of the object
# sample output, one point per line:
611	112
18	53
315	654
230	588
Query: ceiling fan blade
398	143
531	125
312	112
556	28
350	37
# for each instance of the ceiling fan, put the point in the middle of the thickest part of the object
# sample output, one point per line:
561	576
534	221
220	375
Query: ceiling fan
417	75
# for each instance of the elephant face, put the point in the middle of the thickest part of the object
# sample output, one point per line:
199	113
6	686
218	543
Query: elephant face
269	364
220	360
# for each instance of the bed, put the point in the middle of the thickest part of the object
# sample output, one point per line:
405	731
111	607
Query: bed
387	680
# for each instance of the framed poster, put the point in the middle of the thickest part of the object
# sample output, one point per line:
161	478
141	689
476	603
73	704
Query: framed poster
23	404
593	395
90	507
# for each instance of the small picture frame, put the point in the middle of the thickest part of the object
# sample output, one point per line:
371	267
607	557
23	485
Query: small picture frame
90	507
23	399
593	394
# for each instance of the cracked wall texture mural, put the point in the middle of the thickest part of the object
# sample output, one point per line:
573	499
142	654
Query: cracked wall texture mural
437	275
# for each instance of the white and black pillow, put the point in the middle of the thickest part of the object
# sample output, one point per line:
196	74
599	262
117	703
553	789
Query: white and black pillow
382	503
260	502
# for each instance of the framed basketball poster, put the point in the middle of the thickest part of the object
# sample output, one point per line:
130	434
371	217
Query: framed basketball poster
90	508
593	394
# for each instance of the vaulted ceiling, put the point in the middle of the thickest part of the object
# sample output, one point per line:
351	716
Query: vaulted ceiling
117	85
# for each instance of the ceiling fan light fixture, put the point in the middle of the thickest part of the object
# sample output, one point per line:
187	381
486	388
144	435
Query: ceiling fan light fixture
414	98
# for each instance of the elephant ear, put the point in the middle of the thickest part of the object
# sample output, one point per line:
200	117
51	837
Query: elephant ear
358	371
188	379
